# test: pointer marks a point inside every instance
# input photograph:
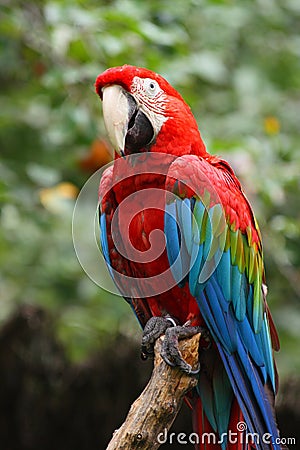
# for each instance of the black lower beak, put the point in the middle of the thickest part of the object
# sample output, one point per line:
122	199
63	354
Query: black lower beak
140	131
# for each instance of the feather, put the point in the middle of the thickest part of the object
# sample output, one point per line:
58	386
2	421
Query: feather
205	390
241	309
186	220
195	267
233	244
252	260
263	338
220	324
218	290
251	397
104	244
197	260
198	212
216	224
222	237
207	232
223	396
217	219
240	257
223	273
173	241
236	280
257	306
250	342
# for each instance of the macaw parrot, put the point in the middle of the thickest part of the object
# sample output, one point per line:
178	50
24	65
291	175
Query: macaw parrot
209	274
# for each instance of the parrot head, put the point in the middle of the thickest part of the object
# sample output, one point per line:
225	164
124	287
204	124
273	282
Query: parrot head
143	112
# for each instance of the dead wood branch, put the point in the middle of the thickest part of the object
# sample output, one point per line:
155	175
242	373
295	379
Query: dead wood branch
154	411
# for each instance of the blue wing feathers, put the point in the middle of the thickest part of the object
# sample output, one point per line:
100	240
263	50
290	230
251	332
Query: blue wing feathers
222	326
208	236
171	233
257	307
104	244
262	339
236	280
250	342
223	274
195	267
240	309
198	212
221	298
243	374
173	242
232	309
103	238
242	391
186	220
251	397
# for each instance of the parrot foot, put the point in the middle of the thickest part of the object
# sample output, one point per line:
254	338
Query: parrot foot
154	328
170	351
158	326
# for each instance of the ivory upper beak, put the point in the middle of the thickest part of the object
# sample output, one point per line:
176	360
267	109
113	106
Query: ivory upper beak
116	115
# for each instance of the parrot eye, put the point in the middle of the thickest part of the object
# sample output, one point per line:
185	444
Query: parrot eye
151	87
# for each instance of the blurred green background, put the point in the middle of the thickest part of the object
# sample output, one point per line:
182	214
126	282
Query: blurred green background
238	66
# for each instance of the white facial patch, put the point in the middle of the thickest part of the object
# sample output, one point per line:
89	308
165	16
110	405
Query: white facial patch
151	99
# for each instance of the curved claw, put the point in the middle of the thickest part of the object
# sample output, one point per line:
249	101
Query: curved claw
183	365
195	371
167	360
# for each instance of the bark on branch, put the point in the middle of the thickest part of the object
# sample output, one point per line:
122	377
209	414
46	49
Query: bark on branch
155	409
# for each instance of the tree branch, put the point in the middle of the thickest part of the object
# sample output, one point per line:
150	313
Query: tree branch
154	411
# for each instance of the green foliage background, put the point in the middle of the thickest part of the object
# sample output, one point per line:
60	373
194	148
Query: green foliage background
236	63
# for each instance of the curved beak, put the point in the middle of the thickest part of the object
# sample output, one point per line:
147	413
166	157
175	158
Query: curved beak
128	129
115	114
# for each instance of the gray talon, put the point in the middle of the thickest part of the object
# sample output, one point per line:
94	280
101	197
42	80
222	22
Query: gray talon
158	326
154	328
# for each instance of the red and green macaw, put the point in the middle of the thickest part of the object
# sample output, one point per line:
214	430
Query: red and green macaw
212	259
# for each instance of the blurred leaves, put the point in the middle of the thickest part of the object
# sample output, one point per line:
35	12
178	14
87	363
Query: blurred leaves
236	63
